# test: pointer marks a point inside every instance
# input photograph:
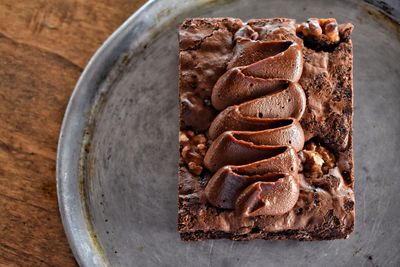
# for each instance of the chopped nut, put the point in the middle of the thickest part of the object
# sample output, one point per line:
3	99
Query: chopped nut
317	160
327	156
192	155
194	148
202	149
199	139
201	146
313	164
185	151
183	138
195	168
324	29
303	29
310	146
315	28
332	32
323	22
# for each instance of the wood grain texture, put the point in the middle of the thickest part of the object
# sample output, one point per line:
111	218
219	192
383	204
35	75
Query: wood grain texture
44	46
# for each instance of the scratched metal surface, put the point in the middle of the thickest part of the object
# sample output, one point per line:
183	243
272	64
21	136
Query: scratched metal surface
117	158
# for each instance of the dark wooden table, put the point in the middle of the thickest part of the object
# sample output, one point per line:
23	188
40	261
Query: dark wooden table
44	46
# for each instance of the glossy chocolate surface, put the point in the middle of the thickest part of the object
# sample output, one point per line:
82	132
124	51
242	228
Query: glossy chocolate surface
262	80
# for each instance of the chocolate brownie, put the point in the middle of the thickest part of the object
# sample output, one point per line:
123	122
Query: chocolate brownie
265	129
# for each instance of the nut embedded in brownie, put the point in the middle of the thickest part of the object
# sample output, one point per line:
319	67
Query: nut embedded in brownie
266	129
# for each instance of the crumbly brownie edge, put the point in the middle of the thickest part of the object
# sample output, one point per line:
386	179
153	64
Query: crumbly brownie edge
321	234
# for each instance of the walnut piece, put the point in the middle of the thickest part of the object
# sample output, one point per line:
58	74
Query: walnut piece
326	29
312	164
183	139
327	157
193	150
316	160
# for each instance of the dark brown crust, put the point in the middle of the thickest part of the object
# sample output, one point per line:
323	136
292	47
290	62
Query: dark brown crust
319	234
320	213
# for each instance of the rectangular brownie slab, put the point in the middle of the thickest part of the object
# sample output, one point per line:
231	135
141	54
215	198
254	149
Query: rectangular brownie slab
265	129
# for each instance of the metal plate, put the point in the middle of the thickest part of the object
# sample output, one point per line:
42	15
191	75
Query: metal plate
117	157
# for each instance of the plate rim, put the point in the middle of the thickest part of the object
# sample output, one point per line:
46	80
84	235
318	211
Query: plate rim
70	201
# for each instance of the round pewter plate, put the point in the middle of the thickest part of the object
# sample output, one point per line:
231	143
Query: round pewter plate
117	156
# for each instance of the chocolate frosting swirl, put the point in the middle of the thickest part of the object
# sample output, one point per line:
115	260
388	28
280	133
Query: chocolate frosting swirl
257	134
